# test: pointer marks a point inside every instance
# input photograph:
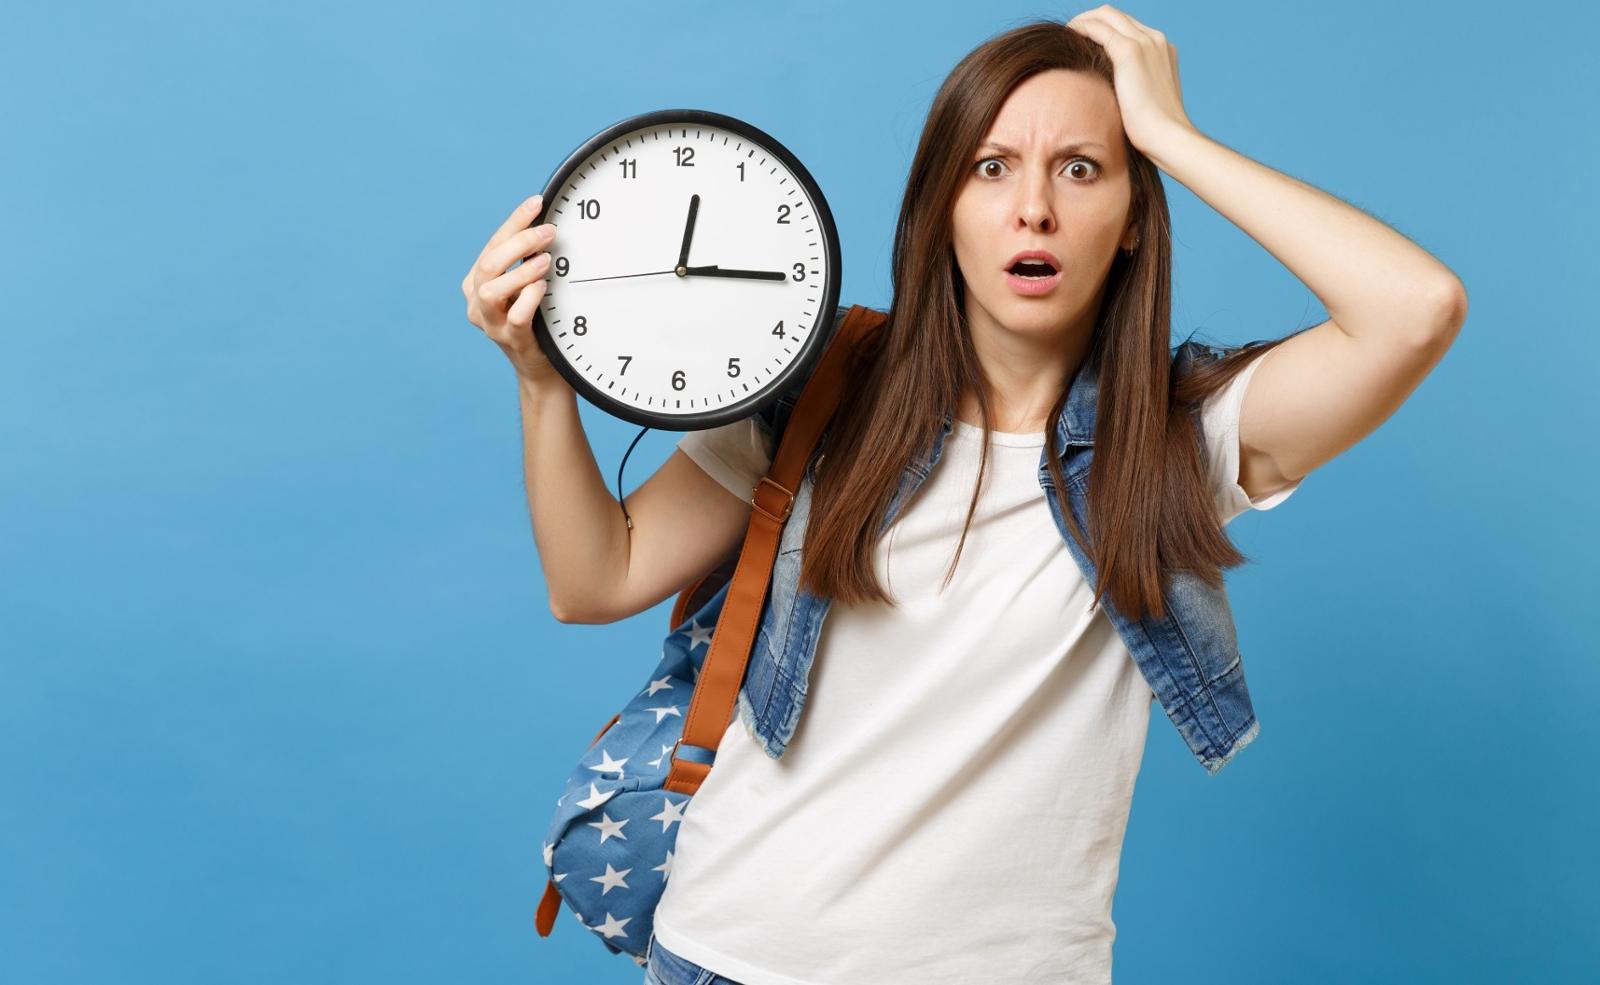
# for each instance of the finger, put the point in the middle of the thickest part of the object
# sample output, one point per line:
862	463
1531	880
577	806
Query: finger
1094	25
524	246
521	313
519	219
1125	23
497	291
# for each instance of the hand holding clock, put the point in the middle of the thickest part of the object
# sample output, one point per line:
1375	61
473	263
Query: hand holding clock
489	285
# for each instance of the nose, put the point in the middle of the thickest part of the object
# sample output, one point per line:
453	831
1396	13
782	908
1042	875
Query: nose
1035	210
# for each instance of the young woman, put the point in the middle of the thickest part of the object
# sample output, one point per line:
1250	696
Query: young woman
953	808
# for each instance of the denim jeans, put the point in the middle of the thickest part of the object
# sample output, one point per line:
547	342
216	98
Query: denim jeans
666	968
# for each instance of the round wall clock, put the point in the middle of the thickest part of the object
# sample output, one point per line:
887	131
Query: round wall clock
695	270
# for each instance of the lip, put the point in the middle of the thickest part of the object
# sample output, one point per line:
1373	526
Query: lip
1044	255
1032	286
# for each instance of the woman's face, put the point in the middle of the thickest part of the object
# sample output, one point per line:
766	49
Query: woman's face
1049	175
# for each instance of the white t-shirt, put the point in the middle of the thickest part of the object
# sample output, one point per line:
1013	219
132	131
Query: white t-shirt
952	806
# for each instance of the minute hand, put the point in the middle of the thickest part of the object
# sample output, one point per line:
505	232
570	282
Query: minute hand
715	271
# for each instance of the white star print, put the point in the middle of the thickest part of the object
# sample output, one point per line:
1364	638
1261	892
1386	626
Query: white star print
609	828
549	854
658	684
699	634
611	880
658	760
609	765
596	798
662	712
612	927
670	813
665	868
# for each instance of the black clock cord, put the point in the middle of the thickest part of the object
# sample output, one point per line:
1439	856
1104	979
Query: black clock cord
620	467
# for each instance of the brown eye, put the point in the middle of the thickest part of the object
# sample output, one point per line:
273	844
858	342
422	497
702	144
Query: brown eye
1081	161
984	170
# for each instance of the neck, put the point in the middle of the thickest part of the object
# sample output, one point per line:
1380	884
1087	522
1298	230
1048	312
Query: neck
1026	367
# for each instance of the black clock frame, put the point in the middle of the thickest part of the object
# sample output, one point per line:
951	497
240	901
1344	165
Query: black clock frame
798	371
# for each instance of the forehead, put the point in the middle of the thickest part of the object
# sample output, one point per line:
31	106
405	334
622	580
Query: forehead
1058	107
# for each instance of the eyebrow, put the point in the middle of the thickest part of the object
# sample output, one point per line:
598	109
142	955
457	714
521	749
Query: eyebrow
1060	152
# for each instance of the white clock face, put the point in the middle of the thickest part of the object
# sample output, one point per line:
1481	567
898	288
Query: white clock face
671	335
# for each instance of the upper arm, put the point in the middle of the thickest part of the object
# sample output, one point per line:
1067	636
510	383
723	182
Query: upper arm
684	523
1317	393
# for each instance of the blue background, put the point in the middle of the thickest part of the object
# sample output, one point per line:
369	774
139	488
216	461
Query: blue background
282	698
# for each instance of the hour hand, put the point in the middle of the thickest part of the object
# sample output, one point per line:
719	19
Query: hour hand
715	271
688	231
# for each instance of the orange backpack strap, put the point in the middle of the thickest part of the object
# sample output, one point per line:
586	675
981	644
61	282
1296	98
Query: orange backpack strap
545	919
722	672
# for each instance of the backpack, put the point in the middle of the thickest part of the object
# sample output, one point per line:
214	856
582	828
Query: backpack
609	845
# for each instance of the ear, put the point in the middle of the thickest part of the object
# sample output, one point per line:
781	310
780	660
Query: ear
1130	236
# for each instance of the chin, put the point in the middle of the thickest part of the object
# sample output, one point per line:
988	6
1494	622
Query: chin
1023	314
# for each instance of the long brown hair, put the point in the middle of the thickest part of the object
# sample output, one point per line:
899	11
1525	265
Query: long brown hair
1150	505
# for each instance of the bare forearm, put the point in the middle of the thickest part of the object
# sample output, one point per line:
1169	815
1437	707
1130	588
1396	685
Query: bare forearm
1373	281
578	528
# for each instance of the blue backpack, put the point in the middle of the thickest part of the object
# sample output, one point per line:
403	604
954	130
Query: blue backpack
609	845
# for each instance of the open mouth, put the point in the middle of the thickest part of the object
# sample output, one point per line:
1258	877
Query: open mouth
1032	268
1034	273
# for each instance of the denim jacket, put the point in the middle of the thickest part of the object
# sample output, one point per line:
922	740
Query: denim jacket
1190	657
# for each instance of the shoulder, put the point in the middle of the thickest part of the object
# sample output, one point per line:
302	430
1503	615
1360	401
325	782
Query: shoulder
1217	414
